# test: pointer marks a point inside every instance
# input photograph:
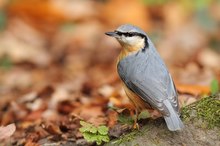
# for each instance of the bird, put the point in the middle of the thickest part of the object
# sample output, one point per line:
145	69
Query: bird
144	75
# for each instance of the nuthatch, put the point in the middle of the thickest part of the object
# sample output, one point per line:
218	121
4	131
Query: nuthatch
146	80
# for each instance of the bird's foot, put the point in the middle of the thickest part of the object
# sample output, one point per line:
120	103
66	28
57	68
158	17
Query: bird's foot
136	126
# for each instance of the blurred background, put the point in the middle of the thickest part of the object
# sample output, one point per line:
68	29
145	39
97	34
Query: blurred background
55	58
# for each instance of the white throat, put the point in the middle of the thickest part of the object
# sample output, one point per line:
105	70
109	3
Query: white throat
132	43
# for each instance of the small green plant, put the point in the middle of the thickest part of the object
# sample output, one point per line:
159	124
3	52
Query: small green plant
92	133
214	86
144	115
125	119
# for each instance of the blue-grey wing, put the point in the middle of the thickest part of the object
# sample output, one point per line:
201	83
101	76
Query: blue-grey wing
146	75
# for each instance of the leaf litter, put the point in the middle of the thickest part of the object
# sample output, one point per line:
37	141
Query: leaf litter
57	68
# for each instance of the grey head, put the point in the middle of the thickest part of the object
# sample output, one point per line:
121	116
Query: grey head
130	28
130	35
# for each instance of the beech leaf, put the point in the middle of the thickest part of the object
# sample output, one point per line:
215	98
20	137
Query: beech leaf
7	131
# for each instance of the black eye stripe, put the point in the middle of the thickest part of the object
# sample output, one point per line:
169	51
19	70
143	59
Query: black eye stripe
130	34
119	33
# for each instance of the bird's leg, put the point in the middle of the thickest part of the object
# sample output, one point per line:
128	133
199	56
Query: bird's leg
136	126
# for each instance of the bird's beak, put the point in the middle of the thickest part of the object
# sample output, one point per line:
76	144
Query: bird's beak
112	34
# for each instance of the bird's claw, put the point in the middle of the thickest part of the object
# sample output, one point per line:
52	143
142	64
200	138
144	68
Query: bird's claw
136	126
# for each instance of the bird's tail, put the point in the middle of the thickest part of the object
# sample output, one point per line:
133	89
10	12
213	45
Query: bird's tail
173	121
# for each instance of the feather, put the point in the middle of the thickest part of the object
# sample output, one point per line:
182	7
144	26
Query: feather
173	121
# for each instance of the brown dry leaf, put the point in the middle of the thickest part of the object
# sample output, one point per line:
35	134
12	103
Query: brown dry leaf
32	137
65	107
7	131
31	143
112	118
50	115
18	79
193	89
19	111
97	121
106	90
186	99
91	113
35	115
118	102
51	128
154	114
209	59
115	101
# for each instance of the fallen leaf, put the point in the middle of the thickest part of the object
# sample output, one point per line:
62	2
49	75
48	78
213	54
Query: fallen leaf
34	115
118	130
193	89
210	59
7	131
112	118
51	128
92	114
106	90
31	143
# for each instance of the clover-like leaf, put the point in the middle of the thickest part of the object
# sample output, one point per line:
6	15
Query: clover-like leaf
93	129
103	130
91	133
98	142
83	129
85	124
89	136
105	138
87	127
144	115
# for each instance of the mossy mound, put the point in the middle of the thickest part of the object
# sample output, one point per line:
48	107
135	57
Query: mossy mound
207	110
199	118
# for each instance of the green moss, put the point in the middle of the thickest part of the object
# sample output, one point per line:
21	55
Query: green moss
128	137
207	109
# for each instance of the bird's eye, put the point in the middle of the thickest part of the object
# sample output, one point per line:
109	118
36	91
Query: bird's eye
129	34
119	33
